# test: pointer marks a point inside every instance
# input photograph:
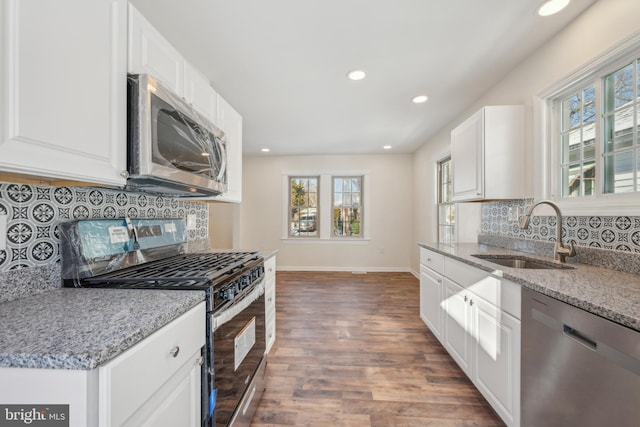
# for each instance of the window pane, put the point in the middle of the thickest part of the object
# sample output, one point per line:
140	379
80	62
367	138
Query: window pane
303	207
589	144
588	178
619	88
571	181
571	112
619	172
571	146
589	113
618	130
347	199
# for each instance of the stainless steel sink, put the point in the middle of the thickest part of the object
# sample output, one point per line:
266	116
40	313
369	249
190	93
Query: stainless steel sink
517	261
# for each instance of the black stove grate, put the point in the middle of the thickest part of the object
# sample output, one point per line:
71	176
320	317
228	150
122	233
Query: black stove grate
189	269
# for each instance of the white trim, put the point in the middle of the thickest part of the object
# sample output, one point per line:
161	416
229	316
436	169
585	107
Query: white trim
324	241
348	269
546	156
325	205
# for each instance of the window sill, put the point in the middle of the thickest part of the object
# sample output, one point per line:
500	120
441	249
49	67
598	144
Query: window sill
605	205
323	241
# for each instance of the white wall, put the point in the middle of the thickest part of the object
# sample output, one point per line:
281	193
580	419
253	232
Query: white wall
605	24
389	213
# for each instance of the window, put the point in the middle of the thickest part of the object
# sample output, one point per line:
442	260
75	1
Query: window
303	206
621	117
597	132
347	206
446	208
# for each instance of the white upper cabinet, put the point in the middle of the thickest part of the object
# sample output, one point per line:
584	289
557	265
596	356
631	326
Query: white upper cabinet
230	122
487	155
150	53
63	87
199	93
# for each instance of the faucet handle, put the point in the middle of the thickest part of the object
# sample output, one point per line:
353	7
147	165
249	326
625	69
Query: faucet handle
570	251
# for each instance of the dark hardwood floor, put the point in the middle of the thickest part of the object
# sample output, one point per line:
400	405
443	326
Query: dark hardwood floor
351	350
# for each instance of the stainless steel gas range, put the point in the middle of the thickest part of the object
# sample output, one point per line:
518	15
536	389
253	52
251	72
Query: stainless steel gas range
150	254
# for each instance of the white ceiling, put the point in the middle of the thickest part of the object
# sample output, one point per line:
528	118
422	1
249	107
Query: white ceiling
282	63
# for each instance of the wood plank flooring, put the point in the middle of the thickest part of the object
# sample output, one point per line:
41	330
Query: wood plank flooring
351	350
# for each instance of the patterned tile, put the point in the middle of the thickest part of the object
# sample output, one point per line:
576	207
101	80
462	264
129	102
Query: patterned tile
34	212
621	233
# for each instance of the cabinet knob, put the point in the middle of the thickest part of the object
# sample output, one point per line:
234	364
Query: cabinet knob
466	298
428	259
174	351
124	174
478	193
439	280
201	361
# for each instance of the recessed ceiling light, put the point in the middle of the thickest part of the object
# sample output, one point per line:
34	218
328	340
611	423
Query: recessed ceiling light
419	99
265	150
356	75
387	147
551	7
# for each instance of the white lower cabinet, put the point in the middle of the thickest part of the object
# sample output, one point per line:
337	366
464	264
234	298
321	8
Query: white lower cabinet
157	381
480	318
154	383
270	301
430	297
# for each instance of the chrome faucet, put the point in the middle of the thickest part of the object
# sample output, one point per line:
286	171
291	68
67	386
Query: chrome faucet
560	251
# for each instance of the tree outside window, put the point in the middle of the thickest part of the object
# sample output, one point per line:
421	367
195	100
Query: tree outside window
303	207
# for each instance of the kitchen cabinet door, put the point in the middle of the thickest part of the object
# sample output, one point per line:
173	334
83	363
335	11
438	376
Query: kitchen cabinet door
487	155
230	122
64	89
457	329
497	359
150	53
199	93
430	299
157	381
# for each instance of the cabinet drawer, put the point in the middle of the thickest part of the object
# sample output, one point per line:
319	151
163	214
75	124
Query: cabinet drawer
151	363
270	267
502	293
433	260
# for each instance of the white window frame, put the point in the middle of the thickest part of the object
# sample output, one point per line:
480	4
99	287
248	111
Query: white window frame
361	207
440	203
548	180
325	205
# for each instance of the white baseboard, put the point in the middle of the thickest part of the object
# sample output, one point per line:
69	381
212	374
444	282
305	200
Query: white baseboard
347	269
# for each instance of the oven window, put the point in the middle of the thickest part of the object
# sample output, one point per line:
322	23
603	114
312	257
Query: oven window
183	144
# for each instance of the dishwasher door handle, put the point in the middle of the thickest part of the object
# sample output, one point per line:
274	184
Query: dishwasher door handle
579	337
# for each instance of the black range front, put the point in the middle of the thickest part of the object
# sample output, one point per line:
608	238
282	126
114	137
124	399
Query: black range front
234	364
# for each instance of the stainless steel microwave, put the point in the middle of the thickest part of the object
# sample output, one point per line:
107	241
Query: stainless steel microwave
171	148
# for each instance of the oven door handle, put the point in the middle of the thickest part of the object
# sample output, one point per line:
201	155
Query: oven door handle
225	315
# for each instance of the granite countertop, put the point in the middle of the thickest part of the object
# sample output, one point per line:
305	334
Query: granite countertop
608	293
84	328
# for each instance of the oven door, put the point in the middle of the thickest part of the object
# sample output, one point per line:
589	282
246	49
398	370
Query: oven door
170	142
238	349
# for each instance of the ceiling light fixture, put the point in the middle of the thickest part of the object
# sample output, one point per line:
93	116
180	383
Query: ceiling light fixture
551	7
356	75
419	99
387	147
265	150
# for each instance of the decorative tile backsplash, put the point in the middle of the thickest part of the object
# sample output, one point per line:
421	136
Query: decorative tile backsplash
621	233
33	214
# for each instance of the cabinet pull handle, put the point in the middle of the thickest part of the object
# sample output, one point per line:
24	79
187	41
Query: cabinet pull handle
470	302
174	351
466	298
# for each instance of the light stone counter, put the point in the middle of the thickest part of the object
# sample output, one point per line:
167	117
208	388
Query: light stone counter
608	293
84	328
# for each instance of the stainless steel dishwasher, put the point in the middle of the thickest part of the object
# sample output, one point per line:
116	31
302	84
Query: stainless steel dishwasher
578	369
